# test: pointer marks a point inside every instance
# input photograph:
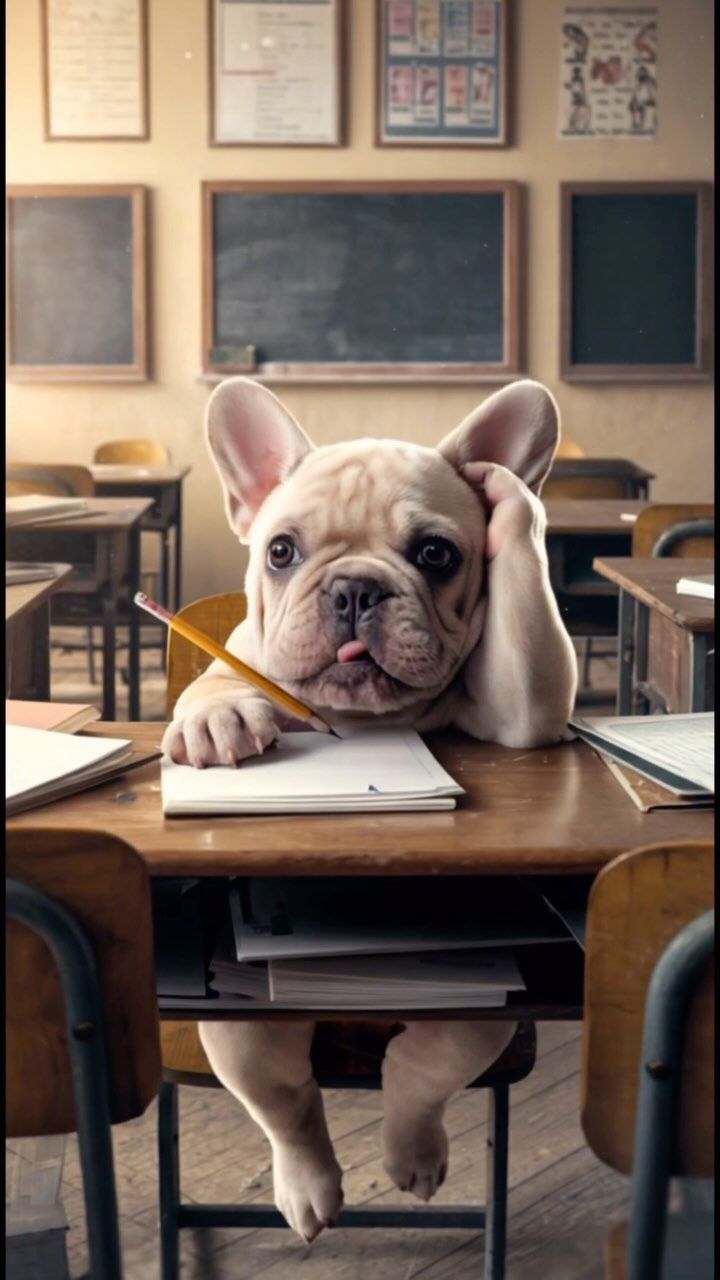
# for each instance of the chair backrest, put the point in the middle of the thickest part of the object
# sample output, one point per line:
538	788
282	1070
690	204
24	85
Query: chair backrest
217	616
569	449
104	884
49	477
637	905
136	452
655	520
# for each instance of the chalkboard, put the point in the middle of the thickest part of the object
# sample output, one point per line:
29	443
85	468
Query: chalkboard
76	283
375	280
633	272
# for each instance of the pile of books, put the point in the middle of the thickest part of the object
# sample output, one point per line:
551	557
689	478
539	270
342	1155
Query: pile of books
378	943
662	761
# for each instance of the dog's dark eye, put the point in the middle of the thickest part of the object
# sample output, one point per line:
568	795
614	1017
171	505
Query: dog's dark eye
282	552
436	555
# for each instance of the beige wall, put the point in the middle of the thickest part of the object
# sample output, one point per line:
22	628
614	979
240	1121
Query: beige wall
665	428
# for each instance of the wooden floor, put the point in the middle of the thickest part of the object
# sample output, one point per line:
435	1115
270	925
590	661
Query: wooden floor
561	1203
562	1200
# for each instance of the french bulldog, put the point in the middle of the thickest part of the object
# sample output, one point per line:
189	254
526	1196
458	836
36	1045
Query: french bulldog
386	581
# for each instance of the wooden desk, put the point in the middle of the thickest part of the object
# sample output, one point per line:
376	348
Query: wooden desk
578	531
164	485
113	529
665	641
635	479
27	635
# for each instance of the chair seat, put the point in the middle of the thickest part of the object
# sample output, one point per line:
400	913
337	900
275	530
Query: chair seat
688	1250
344	1054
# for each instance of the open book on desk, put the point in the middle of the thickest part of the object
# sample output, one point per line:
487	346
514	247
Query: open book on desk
701	585
677	751
43	765
38	507
372	770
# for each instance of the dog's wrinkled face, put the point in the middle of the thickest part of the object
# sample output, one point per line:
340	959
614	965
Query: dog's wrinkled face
366	569
366	574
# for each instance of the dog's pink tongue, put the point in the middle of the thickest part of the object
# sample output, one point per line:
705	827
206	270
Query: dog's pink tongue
351	650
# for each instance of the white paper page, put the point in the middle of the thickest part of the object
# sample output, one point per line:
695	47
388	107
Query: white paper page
307	766
489	970
37	757
683	744
701	585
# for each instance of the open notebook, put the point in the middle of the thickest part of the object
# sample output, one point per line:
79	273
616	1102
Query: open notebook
368	770
43	765
677	751
37	507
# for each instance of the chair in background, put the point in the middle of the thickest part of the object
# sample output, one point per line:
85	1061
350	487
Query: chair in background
679	529
569	449
345	1056
82	1047
142	453
65	481
648	1057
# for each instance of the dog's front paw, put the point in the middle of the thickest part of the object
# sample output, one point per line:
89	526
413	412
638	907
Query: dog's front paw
222	729
416	1151
515	513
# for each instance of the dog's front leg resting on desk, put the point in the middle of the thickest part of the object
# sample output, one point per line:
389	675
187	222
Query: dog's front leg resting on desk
267	1068
423	1067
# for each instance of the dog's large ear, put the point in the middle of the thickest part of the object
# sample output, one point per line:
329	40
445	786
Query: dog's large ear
519	427
254	442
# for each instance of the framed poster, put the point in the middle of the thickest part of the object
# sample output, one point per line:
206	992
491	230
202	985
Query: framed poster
442	73
95	70
277	72
609	73
77	283
636	280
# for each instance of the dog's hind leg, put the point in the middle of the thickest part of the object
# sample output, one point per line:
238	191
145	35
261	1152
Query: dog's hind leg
266	1065
423	1067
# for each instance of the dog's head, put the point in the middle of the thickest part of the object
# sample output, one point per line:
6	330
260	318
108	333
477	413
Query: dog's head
366	572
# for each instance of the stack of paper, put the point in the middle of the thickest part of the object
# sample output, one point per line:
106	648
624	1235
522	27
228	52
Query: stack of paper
366	771
701	585
438	979
37	507
676	751
42	766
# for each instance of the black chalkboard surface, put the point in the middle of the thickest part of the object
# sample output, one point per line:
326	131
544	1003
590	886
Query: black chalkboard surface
633	279
351	281
76	275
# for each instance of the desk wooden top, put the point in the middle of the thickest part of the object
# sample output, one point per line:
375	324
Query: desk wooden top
129	473
555	810
621	467
23	597
105	515
592	515
653	582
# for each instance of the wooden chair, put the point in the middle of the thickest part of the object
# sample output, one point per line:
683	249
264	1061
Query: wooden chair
638	906
658	519
82	1047
143	453
345	1055
569	449
49	477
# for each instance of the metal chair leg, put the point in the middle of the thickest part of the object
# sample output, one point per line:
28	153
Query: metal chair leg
91	655
169	1169
496	1178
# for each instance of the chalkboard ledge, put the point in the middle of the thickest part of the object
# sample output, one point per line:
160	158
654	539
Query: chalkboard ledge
362	377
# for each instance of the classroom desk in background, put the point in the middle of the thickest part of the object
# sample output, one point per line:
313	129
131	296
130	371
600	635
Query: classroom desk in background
27	635
635	480
666	641
164	485
106	543
549	812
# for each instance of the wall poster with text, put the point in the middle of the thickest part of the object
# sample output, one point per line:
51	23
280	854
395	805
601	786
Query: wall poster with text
442	72
609	77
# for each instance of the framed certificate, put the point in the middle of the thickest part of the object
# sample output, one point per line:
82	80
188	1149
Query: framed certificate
442	73
95	69
276	72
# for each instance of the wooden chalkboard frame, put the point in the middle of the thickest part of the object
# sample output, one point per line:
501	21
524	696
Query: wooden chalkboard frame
342	26
138	370
700	368
144	79
504	370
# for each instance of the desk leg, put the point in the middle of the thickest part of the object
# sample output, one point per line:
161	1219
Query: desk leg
626	653
134	624
109	635
641	704
178	550
165	568
701	698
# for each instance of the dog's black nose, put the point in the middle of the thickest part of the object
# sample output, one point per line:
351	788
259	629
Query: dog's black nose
352	598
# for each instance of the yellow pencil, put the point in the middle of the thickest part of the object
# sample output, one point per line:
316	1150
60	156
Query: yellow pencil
273	691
